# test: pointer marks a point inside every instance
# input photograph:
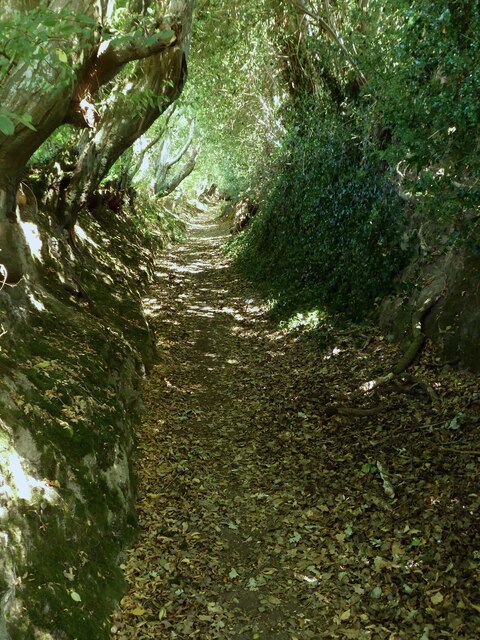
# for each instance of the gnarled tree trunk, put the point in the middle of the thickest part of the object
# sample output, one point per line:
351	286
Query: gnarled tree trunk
160	78
38	89
172	182
60	88
166	161
163	76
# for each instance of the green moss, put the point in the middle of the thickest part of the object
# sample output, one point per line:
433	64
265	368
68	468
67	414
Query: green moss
71	377
56	569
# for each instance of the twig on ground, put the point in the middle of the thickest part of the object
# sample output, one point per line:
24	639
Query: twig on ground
387	485
465	452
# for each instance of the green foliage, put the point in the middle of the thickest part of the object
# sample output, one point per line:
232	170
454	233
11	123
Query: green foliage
426	86
368	101
233	91
436	58
63	138
28	38
8	119
329	230
157	219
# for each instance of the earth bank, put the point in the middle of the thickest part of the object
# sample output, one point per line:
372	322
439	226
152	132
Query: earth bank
74	349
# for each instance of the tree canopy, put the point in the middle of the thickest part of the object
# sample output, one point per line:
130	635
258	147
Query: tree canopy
338	142
334	117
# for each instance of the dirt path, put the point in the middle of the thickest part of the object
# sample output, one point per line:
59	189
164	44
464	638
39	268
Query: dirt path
260	517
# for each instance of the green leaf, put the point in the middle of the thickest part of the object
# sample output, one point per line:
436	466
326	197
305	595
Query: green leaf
25	120
437	598
233	574
6	125
43	364
376	593
61	55
160	36
75	596
252	584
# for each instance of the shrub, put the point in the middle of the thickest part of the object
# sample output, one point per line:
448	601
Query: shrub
328	232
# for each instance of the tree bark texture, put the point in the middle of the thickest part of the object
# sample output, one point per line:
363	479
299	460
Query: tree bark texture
37	89
166	162
42	90
175	180
161	78
119	128
132	172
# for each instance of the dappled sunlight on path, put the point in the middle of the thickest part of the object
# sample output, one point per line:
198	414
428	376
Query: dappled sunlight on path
260	516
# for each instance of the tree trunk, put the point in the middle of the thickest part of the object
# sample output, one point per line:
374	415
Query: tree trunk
165	162
59	87
12	253
141	156
37	89
160	79
170	186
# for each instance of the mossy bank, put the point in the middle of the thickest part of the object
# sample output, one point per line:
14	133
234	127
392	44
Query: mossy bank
74	348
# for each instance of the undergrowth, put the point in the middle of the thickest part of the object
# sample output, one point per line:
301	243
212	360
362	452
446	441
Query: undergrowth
328	233
158	218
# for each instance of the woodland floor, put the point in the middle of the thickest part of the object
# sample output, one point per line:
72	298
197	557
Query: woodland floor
263	514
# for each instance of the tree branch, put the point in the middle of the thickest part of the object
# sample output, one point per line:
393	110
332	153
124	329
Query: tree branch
180	177
170	111
332	34
107	60
165	163
183	150
113	54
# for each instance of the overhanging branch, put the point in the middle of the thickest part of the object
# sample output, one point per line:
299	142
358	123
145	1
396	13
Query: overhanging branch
112	55
107	60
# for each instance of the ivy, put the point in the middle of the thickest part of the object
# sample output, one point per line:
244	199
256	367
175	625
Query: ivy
329	231
30	37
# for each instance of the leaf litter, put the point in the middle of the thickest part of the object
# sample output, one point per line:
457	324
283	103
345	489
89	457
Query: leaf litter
264	515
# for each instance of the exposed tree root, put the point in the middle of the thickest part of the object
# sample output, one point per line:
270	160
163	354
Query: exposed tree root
417	382
413	350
